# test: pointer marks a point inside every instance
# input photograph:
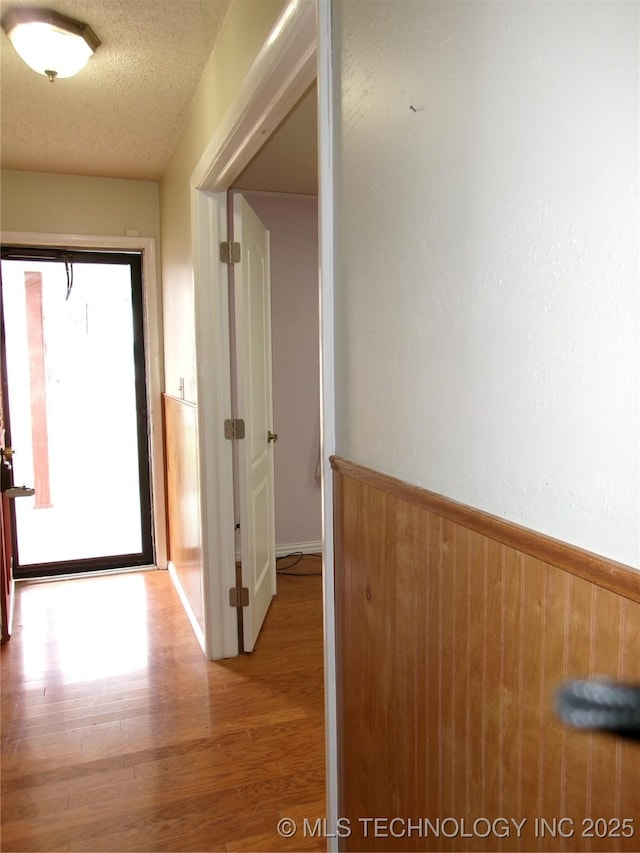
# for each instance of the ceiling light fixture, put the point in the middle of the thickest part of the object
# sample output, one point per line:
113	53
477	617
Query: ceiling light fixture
50	43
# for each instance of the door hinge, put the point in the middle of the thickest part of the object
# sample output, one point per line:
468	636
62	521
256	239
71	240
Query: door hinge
234	428
239	596
230	253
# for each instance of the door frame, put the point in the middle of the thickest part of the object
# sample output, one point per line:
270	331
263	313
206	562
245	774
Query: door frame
153	374
284	68
297	51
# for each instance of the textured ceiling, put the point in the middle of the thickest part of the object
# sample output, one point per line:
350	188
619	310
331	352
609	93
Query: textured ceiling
122	114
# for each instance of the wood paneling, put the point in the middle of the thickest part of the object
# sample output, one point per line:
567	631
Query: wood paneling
593	568
183	498
454	631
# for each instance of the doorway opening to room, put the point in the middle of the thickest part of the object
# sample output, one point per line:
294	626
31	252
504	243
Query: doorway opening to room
284	370
76	407
283	72
285	68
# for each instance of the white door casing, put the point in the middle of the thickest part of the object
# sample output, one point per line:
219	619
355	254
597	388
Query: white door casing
252	300
283	70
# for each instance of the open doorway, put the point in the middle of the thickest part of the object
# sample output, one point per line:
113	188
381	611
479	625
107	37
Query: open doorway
77	410
281	185
282	74
295	54
288	391
297	51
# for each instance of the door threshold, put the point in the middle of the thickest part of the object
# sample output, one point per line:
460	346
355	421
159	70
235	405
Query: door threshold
93	574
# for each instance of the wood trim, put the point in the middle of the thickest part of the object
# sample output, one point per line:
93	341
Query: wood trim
605	573
172	398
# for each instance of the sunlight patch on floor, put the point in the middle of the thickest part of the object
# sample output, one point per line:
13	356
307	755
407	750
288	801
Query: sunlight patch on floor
115	634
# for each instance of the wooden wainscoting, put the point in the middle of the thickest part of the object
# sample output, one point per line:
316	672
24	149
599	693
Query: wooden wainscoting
454	630
183	500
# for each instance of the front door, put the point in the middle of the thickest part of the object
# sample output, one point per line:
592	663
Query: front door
252	297
76	400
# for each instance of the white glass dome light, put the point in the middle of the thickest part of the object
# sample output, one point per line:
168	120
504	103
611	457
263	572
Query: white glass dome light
50	43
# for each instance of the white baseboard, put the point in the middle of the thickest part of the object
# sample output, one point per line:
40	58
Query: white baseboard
305	547
291	548
187	605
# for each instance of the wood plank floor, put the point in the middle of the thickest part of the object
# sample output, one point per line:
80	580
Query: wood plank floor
118	735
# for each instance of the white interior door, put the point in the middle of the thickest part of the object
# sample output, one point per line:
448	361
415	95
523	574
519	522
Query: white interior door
252	292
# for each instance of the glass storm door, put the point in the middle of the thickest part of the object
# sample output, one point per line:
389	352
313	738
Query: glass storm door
78	410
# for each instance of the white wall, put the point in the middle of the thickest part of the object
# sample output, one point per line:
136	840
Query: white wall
71	204
293	226
488	334
34	202
104	208
245	29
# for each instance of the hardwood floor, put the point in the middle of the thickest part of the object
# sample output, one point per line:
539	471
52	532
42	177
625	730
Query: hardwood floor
118	735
